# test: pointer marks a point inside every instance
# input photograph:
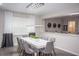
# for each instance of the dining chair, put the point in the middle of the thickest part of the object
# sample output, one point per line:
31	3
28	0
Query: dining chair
20	48
45	38
51	39
32	34
27	51
48	49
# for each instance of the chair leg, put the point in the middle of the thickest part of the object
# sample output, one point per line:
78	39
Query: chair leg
54	51
26	54
35	54
19	51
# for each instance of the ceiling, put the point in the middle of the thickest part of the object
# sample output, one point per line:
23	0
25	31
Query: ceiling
48	8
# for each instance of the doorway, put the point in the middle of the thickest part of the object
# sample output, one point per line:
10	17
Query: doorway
71	26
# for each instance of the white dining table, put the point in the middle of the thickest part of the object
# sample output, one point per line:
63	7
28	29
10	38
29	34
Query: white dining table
35	42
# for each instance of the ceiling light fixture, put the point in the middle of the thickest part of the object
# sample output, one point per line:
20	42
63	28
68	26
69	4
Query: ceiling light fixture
35	5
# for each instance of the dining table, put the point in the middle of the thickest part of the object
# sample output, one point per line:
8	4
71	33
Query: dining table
36	43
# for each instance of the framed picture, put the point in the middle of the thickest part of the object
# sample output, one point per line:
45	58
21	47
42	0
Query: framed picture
49	25
54	25
59	25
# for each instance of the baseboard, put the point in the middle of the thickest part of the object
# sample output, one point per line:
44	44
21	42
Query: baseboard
67	51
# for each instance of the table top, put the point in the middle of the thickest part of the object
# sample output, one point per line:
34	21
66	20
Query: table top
37	43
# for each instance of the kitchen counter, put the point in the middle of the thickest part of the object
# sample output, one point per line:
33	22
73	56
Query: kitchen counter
67	42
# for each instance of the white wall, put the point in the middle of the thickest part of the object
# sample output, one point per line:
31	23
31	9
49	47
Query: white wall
40	29
55	15
1	25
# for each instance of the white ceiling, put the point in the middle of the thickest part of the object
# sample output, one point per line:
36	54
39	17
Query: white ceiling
48	8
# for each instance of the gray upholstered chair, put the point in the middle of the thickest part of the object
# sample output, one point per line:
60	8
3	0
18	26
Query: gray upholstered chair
32	34
51	39
48	50
45	38
27	51
20	47
18	50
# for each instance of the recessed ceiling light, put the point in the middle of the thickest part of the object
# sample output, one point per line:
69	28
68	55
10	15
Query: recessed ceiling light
35	5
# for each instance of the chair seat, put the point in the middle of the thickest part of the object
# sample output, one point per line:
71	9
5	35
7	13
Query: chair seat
27	50
48	49
28	54
46	52
30	51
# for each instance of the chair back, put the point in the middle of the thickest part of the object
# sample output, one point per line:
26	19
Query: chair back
18	40
20	43
32	34
49	47
45	38
52	39
27	48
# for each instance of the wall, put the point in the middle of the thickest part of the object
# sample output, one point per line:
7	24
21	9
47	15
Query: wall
39	29
56	15
1	25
